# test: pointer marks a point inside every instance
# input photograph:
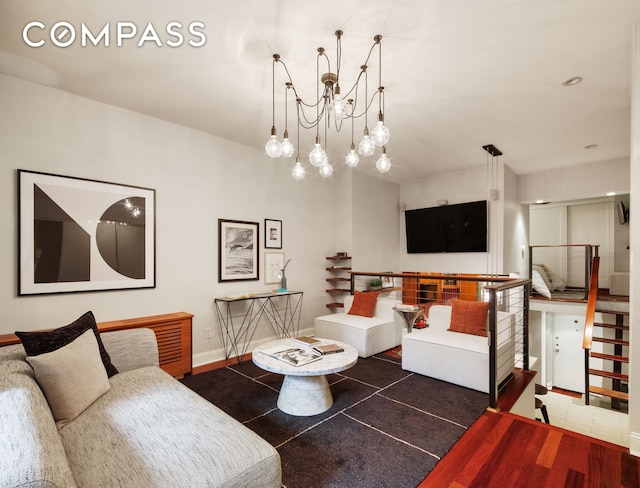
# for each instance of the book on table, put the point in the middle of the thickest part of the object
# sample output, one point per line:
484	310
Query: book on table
295	356
306	340
328	349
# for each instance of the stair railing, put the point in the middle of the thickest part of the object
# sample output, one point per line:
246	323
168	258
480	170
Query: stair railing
587	339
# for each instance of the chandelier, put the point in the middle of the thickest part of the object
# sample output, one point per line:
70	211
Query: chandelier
330	109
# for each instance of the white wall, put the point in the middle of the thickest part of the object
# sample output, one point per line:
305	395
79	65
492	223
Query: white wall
198	179
577	182
515	228
634	232
621	238
468	186
376	224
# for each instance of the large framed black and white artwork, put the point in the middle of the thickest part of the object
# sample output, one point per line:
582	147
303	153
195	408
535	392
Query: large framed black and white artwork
238	250
80	235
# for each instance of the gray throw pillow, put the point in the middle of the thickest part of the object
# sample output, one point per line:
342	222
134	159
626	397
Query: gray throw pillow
71	378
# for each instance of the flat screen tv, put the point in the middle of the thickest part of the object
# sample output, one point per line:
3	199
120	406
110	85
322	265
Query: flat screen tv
450	228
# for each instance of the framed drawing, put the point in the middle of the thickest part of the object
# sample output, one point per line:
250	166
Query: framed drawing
238	250
78	235
272	234
273	263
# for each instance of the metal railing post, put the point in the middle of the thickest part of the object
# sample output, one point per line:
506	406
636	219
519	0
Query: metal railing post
493	350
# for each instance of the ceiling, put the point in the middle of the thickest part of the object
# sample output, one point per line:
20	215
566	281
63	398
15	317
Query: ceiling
458	74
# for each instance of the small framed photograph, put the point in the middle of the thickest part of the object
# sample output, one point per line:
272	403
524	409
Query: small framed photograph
238	250
272	234
387	282
273	264
78	235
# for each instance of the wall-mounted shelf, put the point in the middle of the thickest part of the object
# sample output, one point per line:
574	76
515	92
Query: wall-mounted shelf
338	276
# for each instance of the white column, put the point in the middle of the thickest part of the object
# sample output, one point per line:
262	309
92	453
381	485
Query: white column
634	235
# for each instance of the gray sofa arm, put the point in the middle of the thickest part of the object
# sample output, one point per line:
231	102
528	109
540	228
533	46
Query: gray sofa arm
132	348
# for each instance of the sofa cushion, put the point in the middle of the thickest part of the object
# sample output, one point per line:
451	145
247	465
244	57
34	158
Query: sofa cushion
150	431
354	321
41	342
469	317
364	303
72	377
32	453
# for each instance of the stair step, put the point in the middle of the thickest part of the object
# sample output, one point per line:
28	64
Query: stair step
609	374
610	357
611	341
612	312
620	395
611	326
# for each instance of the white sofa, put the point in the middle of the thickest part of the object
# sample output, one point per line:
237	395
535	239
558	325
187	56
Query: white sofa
455	357
147	431
369	335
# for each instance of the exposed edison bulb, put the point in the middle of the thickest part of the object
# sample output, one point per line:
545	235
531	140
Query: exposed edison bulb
380	134
273	147
326	169
337	107
287	147
317	156
383	164
366	146
352	158
298	171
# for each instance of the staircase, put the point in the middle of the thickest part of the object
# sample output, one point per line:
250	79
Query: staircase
613	335
618	347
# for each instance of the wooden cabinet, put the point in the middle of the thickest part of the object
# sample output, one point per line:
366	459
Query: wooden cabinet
439	287
339	279
173	333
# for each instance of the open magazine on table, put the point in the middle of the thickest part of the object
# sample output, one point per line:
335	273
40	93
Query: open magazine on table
296	356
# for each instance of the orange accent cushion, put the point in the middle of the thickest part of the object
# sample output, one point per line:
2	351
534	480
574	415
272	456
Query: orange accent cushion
469	317
364	303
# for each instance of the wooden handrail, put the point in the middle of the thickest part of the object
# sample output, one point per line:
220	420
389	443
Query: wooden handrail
591	305
436	276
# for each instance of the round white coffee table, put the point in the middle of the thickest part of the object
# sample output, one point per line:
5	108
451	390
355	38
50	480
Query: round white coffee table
305	390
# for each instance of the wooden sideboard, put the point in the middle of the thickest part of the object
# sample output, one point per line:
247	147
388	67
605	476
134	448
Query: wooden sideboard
173	333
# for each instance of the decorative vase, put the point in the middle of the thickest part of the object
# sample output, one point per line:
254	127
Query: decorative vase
283	281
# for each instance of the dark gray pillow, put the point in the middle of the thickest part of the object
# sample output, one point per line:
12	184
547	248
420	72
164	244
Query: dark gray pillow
41	342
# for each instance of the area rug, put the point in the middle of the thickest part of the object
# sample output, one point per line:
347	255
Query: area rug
386	428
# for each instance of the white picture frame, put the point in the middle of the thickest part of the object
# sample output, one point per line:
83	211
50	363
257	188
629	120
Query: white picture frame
273	264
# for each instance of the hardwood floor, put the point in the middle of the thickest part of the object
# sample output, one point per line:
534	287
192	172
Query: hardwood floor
503	450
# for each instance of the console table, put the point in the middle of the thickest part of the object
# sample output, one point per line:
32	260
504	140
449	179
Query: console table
281	311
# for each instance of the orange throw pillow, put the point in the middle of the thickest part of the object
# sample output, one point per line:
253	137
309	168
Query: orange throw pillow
364	303
469	317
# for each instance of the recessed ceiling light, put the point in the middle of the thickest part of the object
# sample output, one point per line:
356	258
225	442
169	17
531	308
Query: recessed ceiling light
539	201
572	81
611	193
590	146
